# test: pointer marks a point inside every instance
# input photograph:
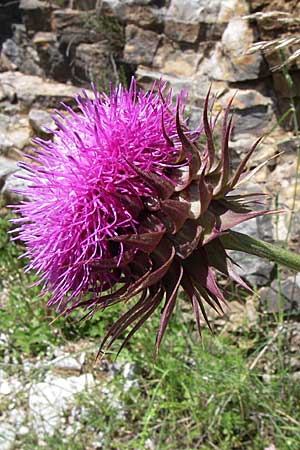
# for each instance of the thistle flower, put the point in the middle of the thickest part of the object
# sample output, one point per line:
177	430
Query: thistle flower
125	204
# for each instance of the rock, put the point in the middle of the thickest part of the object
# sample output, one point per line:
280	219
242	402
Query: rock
9	386
40	121
14	133
92	63
289	295
44	38
5	63
203	11
36	15
256	270
145	78
23	430
12	52
181	24
52	60
240	315
141	15
171	60
17	417
45	93
14	187
48	400
283	182
64	361
140	45
85	5
5	388
3	375
129	376
7	436
250	104
74	27
296	377
92	44
7	167
20	53
294	337
228	61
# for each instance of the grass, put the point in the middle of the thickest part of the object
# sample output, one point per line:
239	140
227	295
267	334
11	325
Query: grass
230	391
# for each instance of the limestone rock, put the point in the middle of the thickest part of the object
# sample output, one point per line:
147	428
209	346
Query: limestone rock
256	270
171	60
74	27
40	121
7	436
240	315
14	133
13	186
51	59
229	61
142	15
32	90
288	298
47	400
36	15
140	45
256	107
146	76
20	53
203	11
94	63
65	361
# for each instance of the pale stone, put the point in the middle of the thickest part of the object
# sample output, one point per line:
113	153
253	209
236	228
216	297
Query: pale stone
140	45
249	103
40	121
14	133
10	385
144	16
287	298
31	90
171	60
228	61
44	37
213	11
7	436
65	361
14	185
47	400
145	78
7	167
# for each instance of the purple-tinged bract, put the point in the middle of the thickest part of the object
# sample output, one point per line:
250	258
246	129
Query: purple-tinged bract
125	203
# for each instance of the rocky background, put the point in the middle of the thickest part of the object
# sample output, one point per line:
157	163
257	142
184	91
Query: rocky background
50	49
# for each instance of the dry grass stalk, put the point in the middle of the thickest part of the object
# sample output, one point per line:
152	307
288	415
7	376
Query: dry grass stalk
281	42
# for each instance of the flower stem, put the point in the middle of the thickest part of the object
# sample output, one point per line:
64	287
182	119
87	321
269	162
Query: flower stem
244	243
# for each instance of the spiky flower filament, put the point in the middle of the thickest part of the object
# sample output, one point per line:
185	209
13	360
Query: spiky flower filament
125	198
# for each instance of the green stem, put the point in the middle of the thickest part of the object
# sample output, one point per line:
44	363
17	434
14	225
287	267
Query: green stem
243	243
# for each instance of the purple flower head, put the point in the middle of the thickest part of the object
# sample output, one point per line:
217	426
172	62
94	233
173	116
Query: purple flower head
125	203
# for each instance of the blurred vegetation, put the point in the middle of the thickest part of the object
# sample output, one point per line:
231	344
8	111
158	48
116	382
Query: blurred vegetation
212	394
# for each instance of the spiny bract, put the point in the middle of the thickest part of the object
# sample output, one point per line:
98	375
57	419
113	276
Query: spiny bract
125	203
